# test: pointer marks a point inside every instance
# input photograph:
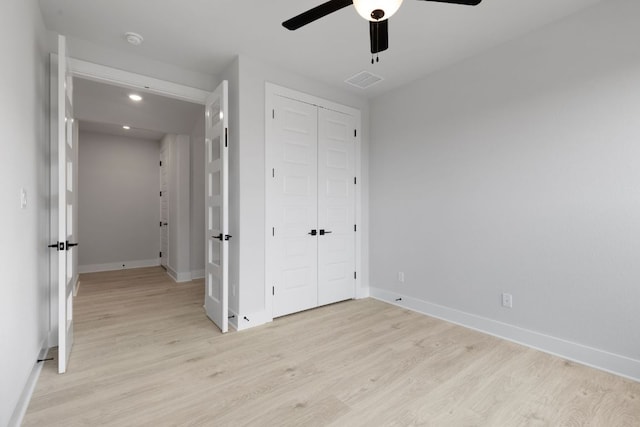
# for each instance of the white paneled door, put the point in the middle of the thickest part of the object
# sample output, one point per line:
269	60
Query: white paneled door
66	207
310	206
294	199
164	209
216	300
336	206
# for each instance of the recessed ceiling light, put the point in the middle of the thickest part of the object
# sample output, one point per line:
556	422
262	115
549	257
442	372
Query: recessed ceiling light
125	127
134	38
135	97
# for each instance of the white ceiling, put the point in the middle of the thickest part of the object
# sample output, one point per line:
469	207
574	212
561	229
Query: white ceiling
205	35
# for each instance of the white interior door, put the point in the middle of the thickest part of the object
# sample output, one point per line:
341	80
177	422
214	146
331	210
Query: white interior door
336	206
66	207
216	300
164	210
293	202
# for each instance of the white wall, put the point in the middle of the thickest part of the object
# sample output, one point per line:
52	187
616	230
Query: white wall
119	203
97	54
24	292
250	180
178	185
517	171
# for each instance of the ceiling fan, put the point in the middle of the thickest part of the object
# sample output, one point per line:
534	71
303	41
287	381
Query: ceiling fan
377	12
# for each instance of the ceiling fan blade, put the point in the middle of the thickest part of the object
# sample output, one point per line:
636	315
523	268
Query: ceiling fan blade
465	2
379	34
316	13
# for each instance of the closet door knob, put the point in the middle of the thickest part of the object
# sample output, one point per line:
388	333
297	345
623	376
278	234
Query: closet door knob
323	232
313	232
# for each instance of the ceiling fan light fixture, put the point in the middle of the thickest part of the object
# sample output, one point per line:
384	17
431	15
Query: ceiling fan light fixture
370	9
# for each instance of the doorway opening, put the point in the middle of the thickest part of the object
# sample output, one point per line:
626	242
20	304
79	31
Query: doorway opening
140	181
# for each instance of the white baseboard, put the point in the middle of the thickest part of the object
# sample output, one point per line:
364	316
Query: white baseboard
252	320
52	339
233	319
94	268
363	292
76	284
25	397
179	277
197	274
595	358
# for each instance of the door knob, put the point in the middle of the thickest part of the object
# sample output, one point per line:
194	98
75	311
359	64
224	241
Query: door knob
323	232
313	232
70	245
58	246
219	237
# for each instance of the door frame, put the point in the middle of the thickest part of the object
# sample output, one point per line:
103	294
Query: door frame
272	90
104	74
164	216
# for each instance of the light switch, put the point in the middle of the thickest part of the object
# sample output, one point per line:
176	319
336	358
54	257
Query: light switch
23	198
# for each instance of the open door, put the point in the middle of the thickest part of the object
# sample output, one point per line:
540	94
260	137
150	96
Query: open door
164	209
66	207
216	298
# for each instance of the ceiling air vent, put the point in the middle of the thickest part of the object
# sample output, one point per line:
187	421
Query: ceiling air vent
363	79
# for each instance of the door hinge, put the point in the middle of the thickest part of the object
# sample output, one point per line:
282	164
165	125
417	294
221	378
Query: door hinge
273	113
273	231
355	133
273	172
161	194
160	255
273	290
354	275
160	162
355	227
226	137
355	180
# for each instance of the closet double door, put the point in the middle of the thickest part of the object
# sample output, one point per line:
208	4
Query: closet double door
310	206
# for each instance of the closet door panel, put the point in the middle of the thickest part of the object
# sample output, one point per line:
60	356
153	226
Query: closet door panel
295	214
336	206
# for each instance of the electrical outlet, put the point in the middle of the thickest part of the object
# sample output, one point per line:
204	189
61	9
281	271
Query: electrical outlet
401	277
507	300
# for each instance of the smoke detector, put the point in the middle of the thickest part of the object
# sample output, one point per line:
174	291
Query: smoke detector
134	38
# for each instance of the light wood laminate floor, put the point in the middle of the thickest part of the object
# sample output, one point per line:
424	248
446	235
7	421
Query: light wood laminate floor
145	354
